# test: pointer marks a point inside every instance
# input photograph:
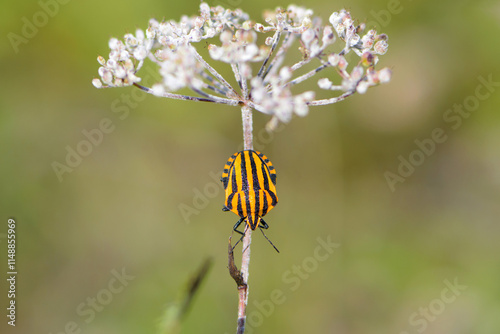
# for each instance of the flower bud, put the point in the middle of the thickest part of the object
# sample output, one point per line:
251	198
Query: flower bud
114	43
204	8
328	36
97	83
140	53
308	36
381	47
367	59
357	73
342	65
362	87
101	60
226	36
334	59
285	73
384	75
324	83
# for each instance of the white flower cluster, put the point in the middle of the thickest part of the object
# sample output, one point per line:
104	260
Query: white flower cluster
125	59
178	69
280	101
239	47
367	47
294	20
268	88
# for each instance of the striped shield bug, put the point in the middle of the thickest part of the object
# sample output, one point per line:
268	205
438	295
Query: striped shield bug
249	180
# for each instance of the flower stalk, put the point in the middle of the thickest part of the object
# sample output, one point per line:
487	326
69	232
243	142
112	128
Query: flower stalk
246	116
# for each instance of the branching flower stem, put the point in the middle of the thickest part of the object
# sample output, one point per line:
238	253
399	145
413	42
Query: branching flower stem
276	39
280	55
331	100
307	75
211	70
214	99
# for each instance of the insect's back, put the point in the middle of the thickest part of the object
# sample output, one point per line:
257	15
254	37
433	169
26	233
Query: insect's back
249	180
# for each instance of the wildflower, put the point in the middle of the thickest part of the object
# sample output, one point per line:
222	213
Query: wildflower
257	54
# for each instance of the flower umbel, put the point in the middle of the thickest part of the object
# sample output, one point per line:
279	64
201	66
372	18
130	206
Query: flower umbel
257	54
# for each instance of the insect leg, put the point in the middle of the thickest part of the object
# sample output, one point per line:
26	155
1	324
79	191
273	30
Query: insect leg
242	233
238	223
263	224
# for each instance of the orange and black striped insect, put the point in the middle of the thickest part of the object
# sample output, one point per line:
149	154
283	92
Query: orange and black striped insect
249	180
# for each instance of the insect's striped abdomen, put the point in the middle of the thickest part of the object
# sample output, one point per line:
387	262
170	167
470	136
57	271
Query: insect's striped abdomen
249	180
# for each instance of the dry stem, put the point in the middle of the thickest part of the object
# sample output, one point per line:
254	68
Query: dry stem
246	115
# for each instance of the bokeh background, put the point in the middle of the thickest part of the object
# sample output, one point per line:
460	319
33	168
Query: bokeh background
400	247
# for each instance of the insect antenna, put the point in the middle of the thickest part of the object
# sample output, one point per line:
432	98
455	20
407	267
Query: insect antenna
269	240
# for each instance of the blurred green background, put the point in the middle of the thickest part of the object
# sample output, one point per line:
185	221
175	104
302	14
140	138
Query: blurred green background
119	209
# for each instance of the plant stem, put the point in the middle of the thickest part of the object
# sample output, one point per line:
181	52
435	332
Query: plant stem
246	115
